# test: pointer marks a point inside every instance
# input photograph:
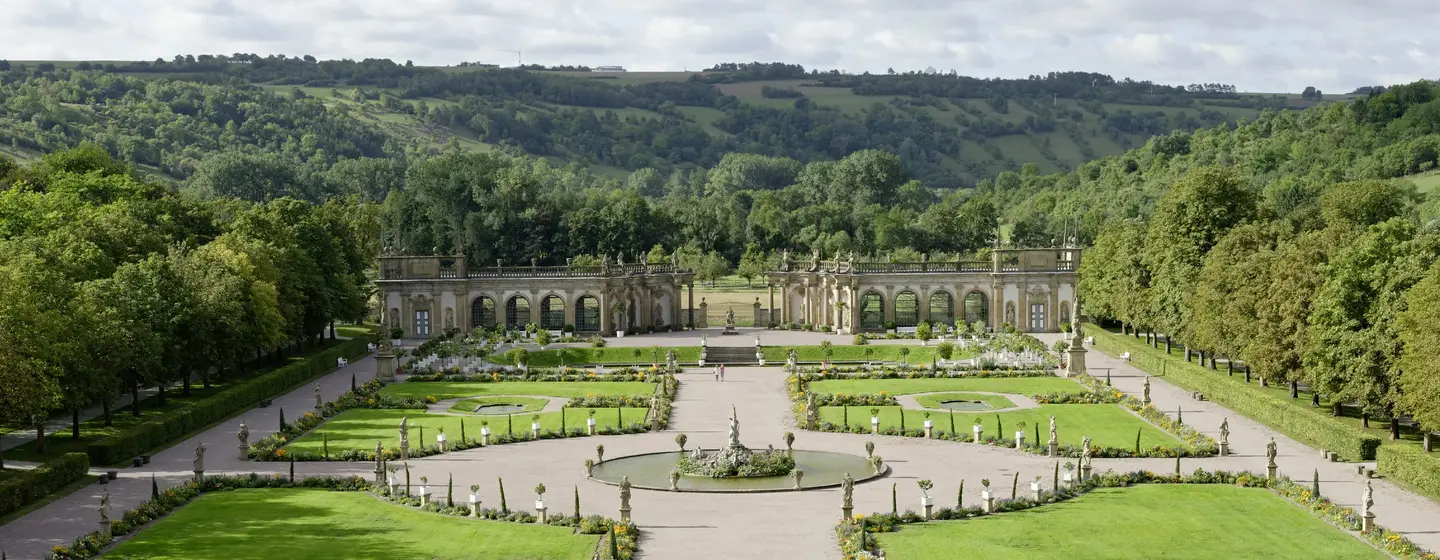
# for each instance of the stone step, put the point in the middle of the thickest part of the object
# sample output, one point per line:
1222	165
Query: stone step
730	355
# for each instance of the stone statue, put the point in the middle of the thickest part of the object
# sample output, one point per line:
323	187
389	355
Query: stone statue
318	401
812	412
244	435
1225	431
670	361
624	493
404	431
852	257
604	260
734	428
793	359
394	321
675	259
814	261
449	319
620	258
730	317
1369	499
379	454
1085	450
1052	428
785	260
1146	398
847	488
105	506
1270	452
200	457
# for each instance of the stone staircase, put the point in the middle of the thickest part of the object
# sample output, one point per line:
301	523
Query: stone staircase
730	355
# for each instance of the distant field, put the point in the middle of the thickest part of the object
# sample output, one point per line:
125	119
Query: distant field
1427	184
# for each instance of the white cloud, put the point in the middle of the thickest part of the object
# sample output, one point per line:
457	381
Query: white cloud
1277	45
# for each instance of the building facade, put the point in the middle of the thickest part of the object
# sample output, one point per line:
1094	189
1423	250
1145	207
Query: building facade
429	295
1031	289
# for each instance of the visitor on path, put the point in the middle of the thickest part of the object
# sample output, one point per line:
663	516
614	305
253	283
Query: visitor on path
716	370
722	372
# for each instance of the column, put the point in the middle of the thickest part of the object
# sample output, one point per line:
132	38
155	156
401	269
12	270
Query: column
997	304
770	291
691	287
922	304
534	307
407	316
1022	308
675	305
572	301
606	314
785	302
1052	315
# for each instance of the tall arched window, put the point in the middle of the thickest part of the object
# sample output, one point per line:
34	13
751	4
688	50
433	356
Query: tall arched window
907	309
587	314
977	308
517	313
482	313
872	311
942	308
552	313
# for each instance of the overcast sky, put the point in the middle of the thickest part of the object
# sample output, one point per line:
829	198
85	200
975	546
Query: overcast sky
1258	45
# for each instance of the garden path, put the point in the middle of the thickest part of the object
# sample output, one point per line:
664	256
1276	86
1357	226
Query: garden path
792	525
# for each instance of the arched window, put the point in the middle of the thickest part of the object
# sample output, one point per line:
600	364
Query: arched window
907	309
587	314
942	308
482	313
552	313
872	311
517	313
977	308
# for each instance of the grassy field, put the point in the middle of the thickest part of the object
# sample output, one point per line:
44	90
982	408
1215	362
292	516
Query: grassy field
608	356
933	401
1107	425
468	405
361	428
1211	521
60	443
449	390
264	524
1013	385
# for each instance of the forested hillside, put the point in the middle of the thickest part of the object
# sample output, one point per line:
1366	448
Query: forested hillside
948	130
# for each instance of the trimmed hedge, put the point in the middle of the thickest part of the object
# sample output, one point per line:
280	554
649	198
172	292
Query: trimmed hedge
1308	425
39	482
1412	465
225	404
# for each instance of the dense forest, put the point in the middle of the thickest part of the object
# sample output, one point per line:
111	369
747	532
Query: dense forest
168	115
110	282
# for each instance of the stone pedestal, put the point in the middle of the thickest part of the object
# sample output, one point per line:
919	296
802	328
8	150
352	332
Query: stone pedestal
978	433
1270	471
874	424
541	511
244	453
485	435
379	477
534	431
1085	472
1224	448
845	512
624	514
105	530
440	440
929	504
1035	491
199	477
929	429
404	451
1075	363
1019	440
987	501
385	367
1367	522
1054	448
590	426
474	505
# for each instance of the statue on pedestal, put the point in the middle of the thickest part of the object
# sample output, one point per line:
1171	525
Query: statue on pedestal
734	428
1225	431
244	435
1369	498
730	318
404	431
1052	429
624	493
785	260
1146	398
847	488
200	457
105	507
1271	451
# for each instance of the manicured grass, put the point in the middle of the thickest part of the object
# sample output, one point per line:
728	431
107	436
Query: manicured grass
1013	385
93	430
1107	425
266	524
933	401
616	356
851	353
468	405
1146	521
361	428
456	389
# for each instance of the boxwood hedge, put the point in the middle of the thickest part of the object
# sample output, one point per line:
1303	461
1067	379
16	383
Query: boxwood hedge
1298	420
34	484
205	412
1412	465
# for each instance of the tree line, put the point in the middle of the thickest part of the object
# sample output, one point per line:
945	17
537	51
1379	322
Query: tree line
1288	244
111	282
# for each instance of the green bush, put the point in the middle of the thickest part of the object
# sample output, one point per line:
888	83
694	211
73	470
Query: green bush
175	425
1412	465
34	484
1298	420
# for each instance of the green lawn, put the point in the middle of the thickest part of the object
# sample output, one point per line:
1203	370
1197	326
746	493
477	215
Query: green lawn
468	405
609	356
1013	385
456	389
361	428
1146	521
850	353
266	524
1107	425
933	401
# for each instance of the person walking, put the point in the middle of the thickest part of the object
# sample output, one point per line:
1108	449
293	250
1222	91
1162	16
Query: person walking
722	372
716	371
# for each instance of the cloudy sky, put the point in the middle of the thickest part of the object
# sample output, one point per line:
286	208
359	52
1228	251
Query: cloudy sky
1258	45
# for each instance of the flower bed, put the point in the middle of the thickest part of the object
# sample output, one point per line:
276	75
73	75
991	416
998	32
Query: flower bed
918	372
730	463
857	542
652	375
609	401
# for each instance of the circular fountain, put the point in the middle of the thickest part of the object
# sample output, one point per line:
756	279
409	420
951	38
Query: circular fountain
736	468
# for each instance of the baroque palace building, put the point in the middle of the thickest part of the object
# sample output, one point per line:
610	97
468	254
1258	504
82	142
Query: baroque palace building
1031	289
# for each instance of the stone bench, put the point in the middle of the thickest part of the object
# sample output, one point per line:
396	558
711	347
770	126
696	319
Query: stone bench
341	362
1125	357
1197	395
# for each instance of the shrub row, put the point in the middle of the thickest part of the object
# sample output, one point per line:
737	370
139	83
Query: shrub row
205	412
34	484
1412	465
1310	426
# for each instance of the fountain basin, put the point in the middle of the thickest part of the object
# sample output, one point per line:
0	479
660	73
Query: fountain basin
651	471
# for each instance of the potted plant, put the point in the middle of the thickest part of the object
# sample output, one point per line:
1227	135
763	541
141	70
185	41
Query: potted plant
680	440
540	497
542	338
396	334
928	424
925	500
889	327
600	453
